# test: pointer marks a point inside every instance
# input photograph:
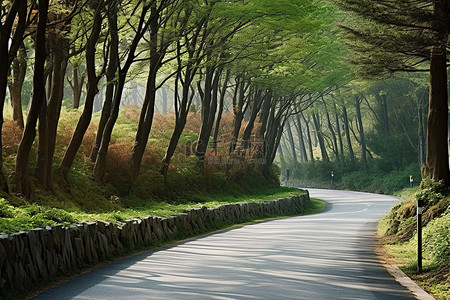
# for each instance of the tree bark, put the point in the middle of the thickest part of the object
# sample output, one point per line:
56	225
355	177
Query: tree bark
255	108
19	69
77	85
308	135
291	141
209	107
92	90
21	177
347	134
8	50
361	132
238	113
436	166
111	79
223	91
50	115
320	138
301	140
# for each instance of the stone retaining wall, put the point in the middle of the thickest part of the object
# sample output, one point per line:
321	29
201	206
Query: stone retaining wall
28	258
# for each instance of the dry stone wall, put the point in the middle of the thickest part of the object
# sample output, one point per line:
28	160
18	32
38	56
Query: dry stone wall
30	258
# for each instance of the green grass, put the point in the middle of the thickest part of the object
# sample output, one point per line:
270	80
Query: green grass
399	234
25	217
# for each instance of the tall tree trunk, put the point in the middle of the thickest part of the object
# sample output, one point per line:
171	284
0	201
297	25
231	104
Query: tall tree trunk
111	80
77	84
421	103
148	108
181	112
333	133
301	140
209	107
92	90
100	162
19	69
436	166
21	178
255	108
238	113
347	134
308	135
291	141
8	50
338	129
264	114
223	91
361	131
320	138
60	57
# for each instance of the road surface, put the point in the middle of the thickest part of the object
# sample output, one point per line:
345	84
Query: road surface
325	256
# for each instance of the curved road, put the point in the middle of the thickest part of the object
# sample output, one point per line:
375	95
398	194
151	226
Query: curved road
324	256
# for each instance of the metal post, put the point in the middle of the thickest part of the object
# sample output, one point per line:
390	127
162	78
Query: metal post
332	177
419	235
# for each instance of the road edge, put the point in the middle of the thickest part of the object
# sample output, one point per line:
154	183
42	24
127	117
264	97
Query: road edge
407	282
398	274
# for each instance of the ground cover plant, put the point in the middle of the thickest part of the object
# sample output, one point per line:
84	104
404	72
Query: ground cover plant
398	232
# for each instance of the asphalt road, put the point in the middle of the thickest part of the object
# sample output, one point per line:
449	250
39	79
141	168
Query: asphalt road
325	256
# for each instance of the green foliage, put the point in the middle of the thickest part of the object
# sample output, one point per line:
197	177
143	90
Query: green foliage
27	217
436	239
6	210
431	192
353	176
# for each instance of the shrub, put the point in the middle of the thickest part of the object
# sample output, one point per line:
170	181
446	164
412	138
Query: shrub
6	210
431	192
436	239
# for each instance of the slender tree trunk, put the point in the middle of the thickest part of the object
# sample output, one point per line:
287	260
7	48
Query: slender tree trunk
111	73
19	69
339	134
436	166
301	140
255	108
238	114
264	115
77	85
92	90
308	135
291	141
148	108
223	91
421	102
21	178
8	50
323	150
361	131
333	133
209	107
100	162
60	57
180	122
347	134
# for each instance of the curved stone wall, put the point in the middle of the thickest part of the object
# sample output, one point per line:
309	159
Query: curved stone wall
28	258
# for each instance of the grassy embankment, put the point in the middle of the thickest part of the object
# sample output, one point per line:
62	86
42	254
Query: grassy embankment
82	199
398	233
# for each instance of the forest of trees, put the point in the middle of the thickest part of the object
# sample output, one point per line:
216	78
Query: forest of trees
282	67
390	123
269	60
